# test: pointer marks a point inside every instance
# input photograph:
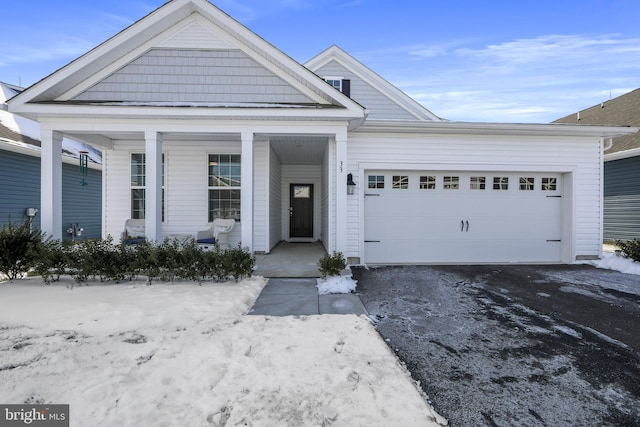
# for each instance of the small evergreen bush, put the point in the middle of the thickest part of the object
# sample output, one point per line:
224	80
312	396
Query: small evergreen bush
332	265
18	246
630	249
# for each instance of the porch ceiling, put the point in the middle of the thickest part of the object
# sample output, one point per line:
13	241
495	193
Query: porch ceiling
299	150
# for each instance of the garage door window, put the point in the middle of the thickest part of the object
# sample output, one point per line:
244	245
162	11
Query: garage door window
478	183
451	182
527	183
500	183
376	182
549	184
400	182
427	182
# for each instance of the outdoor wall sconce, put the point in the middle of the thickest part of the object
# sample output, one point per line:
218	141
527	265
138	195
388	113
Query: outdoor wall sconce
351	186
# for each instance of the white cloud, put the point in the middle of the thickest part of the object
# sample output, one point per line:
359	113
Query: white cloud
11	54
525	80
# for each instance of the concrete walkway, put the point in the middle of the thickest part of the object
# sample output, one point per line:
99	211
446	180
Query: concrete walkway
291	260
299	297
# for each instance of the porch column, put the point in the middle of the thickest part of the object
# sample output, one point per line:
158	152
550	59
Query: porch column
246	191
153	185
51	183
341	193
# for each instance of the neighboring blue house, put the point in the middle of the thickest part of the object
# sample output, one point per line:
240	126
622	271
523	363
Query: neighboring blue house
20	178
621	164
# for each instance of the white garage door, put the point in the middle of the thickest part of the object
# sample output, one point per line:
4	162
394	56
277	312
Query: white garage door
462	217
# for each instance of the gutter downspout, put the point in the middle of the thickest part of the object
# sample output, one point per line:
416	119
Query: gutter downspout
607	144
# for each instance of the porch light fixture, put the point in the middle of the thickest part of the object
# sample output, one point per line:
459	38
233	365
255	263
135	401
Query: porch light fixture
351	186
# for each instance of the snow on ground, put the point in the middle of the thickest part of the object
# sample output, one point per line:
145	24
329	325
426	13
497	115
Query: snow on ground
336	285
131	354
614	261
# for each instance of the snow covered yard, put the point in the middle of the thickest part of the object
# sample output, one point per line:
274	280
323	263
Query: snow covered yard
166	355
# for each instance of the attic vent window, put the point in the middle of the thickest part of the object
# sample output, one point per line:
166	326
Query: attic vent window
335	83
340	84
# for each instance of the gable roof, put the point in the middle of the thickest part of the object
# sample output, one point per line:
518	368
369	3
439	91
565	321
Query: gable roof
395	95
621	111
173	25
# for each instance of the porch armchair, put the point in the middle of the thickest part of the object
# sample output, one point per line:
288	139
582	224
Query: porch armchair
133	231
218	232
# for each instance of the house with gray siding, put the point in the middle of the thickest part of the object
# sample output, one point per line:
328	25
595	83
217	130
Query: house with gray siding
621	164
20	172
200	118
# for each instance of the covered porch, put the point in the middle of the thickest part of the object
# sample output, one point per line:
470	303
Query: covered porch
285	179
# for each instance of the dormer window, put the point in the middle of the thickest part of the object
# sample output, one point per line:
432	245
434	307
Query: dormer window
340	84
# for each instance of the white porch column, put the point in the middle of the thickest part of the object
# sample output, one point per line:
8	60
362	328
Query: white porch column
246	191
341	193
153	185
51	183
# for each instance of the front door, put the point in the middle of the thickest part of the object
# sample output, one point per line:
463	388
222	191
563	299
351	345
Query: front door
301	210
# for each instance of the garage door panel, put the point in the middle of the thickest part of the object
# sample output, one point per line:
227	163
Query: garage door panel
440	225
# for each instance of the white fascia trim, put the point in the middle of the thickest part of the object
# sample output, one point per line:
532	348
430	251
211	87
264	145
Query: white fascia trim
105	125
622	154
551	129
133	112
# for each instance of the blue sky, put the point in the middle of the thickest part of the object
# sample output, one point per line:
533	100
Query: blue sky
469	60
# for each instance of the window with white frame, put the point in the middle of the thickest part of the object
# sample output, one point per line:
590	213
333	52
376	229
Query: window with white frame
224	179
400	182
336	82
478	183
428	182
527	183
549	184
451	182
500	183
138	183
376	182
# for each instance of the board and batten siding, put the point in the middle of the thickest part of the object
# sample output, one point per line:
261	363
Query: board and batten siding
261	195
444	152
275	200
20	189
622	199
380	106
194	76
325	197
186	185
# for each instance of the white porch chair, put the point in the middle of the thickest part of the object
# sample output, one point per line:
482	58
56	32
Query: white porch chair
134	231
218	232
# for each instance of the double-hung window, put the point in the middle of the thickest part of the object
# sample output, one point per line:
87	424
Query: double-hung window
138	183
224	186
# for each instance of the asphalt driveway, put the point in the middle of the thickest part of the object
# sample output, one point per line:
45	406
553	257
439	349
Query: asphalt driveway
514	345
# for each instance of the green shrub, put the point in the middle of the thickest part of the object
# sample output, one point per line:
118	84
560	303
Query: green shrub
238	263
168	261
18	247
332	265
49	260
630	249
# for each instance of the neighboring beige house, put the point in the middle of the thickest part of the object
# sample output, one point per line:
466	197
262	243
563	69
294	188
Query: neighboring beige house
200	118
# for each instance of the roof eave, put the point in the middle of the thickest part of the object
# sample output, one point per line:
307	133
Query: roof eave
480	128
